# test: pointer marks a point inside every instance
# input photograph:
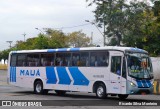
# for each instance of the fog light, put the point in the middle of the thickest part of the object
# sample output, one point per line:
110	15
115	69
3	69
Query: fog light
131	91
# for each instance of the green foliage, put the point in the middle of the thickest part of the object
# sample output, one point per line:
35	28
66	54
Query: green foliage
113	42
111	14
78	39
57	39
41	42
135	24
52	39
4	54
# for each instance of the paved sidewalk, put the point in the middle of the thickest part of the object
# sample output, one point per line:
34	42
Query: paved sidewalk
3	77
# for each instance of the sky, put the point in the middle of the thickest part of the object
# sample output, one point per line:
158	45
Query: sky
23	16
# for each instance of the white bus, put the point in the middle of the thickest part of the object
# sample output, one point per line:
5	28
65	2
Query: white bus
102	70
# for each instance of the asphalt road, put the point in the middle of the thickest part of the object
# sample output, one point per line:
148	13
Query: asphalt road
72	100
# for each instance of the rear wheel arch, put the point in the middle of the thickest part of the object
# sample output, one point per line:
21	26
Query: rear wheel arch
38	79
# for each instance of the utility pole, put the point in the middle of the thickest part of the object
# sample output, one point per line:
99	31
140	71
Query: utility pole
102	33
24	36
91	38
10	42
104	37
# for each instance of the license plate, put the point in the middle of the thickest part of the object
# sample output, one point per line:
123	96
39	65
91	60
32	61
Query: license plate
143	93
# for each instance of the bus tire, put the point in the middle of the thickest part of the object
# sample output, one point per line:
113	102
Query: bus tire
122	96
101	91
38	87
60	92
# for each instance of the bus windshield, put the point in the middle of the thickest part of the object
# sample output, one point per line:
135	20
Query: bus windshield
139	66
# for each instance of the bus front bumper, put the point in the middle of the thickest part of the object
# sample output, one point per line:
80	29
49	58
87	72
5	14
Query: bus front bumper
140	91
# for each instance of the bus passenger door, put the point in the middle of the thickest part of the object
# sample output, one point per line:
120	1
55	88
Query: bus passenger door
115	72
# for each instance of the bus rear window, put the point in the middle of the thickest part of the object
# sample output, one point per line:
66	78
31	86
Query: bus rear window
13	60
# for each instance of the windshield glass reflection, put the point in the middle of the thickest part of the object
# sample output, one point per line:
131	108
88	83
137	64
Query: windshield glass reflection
139	66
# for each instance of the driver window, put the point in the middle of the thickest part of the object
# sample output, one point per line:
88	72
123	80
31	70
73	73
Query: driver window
116	65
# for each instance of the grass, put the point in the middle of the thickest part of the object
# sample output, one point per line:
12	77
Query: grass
3	66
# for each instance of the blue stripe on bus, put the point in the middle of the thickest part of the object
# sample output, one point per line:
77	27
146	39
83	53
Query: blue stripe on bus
51	76
149	83
75	49
144	83
12	74
62	49
15	75
51	50
63	76
79	78
136	49
14	52
139	83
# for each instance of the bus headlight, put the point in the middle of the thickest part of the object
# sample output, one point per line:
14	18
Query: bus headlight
132	84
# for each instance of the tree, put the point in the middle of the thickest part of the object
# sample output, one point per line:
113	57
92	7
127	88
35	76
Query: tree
57	39
135	24
78	39
4	54
110	13
41	42
152	32
52	39
133	33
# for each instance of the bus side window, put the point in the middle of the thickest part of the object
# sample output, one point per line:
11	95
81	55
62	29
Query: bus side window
63	59
47	59
33	60
59	57
67	59
84	59
21	60
116	64
76	59
100	58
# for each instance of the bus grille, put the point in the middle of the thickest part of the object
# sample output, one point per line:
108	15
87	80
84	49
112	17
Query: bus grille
143	83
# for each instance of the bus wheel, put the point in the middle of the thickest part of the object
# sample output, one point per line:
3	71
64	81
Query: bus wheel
38	87
60	92
122	96
101	91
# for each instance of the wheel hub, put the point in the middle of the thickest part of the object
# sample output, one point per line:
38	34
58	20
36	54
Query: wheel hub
38	88
100	91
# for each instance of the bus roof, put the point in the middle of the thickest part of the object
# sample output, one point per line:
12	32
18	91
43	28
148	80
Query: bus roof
130	49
